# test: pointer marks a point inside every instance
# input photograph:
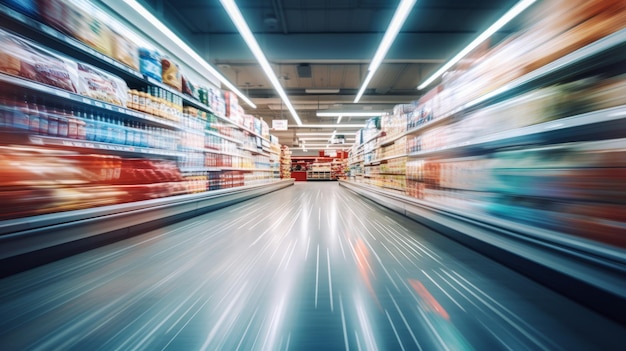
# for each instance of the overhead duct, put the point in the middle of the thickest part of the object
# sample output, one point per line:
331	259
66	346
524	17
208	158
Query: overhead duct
304	70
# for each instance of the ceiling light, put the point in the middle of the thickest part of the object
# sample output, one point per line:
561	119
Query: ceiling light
298	107
339	119
349	114
328	126
396	23
235	15
512	13
321	148
321	91
181	44
321	138
341	146
309	134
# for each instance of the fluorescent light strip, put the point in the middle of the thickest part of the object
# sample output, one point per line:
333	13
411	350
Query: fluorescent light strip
402	12
328	126
321	138
349	114
305	149
346	145
339	119
181	44
512	13
235	15
310	134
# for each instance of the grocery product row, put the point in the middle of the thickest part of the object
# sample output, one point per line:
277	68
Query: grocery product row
149	94
538	144
285	162
105	102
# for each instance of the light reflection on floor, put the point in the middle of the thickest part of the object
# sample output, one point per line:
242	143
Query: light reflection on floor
311	267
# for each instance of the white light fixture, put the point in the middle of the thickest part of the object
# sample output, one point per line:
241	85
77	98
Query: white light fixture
314	133
339	119
321	138
324	147
181	44
402	12
349	114
512	13
321	91
235	15
328	126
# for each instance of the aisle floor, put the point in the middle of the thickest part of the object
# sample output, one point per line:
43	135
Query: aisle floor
310	267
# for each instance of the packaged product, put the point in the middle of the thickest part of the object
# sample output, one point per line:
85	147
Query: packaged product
125	51
232	103
27	60
101	85
188	87
94	32
61	14
150	63
170	74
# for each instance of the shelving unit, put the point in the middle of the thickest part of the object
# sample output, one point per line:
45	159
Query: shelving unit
200	148
532	149
285	162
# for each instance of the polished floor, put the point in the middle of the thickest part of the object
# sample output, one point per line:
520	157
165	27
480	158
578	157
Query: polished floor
310	267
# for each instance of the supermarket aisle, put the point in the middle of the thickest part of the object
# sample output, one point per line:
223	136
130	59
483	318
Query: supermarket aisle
310	267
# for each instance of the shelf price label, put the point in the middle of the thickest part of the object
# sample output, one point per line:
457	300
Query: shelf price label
36	141
62	94
98	104
86	101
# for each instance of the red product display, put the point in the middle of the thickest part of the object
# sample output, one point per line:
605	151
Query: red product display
36	180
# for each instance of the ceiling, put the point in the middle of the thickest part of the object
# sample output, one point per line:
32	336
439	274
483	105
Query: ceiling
327	44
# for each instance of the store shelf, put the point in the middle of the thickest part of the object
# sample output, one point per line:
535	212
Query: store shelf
97	58
556	68
378	161
319	175
403	174
254	151
394	188
606	124
199	169
32	234
378	134
63	96
101	147
560	65
219	152
110	64
245	169
210	132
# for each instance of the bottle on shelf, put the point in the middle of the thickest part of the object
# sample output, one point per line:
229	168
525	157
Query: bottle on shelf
53	122
21	117
63	129
44	121
33	115
90	126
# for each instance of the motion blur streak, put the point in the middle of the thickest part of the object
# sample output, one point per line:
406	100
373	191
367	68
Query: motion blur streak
428	298
223	281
